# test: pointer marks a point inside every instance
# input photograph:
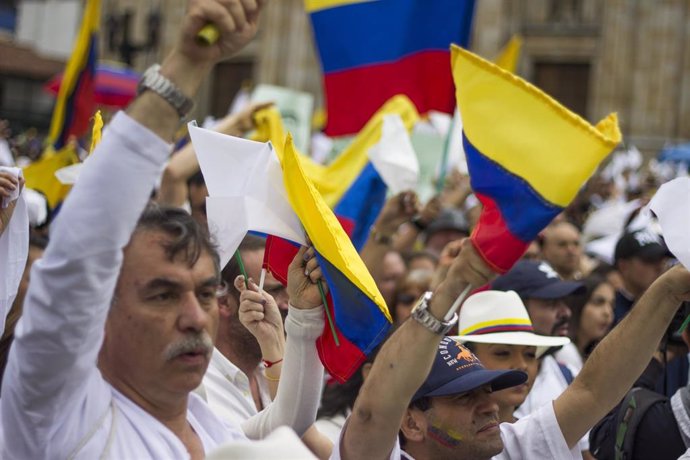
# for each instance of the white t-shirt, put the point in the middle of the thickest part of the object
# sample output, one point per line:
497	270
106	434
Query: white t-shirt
548	386
534	437
226	390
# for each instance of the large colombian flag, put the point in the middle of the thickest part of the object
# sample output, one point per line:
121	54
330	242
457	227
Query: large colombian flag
527	155
372	50
349	185
76	101
354	302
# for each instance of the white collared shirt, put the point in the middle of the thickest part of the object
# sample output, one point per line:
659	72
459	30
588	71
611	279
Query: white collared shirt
535	437
227	391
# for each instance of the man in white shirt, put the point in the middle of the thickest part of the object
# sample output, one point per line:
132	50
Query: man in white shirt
235	386
121	311
460	419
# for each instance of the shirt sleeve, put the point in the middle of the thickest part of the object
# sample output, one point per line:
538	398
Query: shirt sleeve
301	379
52	364
536	436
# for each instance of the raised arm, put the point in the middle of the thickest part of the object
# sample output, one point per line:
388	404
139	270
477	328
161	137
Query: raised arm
373	426
184	164
58	338
621	357
301	378
398	209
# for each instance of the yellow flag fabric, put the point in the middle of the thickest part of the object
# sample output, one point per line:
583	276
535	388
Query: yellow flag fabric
40	175
510	54
96	131
526	132
333	180
324	230
314	5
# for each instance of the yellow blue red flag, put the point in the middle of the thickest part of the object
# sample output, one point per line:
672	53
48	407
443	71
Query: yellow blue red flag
75	101
372	50
527	155
360	314
350	185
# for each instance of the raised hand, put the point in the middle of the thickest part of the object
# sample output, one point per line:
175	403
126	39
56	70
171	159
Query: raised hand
9	183
304	273
236	21
259	313
397	210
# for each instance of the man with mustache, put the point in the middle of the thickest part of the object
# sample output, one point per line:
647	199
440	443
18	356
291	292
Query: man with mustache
439	407
122	310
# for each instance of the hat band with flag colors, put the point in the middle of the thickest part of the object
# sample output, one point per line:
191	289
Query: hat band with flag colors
501	318
527	155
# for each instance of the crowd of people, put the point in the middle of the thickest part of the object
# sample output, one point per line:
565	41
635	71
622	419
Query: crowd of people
127	339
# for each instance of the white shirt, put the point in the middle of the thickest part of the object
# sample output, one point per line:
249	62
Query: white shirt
548	385
332	426
570	356
55	402
537	436
226	390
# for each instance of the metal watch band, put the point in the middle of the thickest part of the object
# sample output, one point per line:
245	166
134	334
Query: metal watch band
421	314
152	80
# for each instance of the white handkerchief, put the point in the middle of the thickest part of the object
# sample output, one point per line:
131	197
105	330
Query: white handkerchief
16	172
671	204
394	157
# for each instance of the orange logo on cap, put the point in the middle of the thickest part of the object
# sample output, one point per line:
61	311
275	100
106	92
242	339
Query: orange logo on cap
465	354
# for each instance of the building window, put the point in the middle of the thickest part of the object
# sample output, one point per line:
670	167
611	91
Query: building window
568	83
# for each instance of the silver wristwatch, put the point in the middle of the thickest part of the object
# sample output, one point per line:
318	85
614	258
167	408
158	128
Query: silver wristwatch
421	314
152	80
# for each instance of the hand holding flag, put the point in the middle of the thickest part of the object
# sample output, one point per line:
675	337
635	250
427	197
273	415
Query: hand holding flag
304	274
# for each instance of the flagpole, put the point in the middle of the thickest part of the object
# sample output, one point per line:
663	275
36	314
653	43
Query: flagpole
328	313
238	257
262	279
444	158
461	298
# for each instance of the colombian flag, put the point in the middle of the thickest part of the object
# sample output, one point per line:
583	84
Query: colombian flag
372	50
527	155
75	102
350	185
355	303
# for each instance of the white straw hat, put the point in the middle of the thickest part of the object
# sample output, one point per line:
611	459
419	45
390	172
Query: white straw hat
501	317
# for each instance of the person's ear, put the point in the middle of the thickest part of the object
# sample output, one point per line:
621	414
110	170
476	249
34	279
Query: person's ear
414	425
224	305
366	368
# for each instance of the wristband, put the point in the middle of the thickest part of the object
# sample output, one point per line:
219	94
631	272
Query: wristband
268	363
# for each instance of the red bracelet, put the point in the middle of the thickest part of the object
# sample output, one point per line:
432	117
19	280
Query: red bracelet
268	363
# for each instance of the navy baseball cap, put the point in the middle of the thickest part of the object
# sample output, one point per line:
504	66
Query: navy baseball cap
457	370
534	279
645	244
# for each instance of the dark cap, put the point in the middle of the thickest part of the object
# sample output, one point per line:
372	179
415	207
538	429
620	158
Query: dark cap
448	219
645	244
534	279
456	370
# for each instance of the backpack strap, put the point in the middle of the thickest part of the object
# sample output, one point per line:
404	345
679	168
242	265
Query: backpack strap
631	412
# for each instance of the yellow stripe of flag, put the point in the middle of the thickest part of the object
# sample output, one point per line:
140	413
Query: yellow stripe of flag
324	230
315	5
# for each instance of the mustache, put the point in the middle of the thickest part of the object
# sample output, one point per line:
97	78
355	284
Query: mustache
559	323
193	343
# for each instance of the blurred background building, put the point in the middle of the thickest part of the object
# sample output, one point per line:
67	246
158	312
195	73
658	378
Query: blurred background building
629	56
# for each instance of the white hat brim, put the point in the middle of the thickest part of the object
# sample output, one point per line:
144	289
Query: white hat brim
542	342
